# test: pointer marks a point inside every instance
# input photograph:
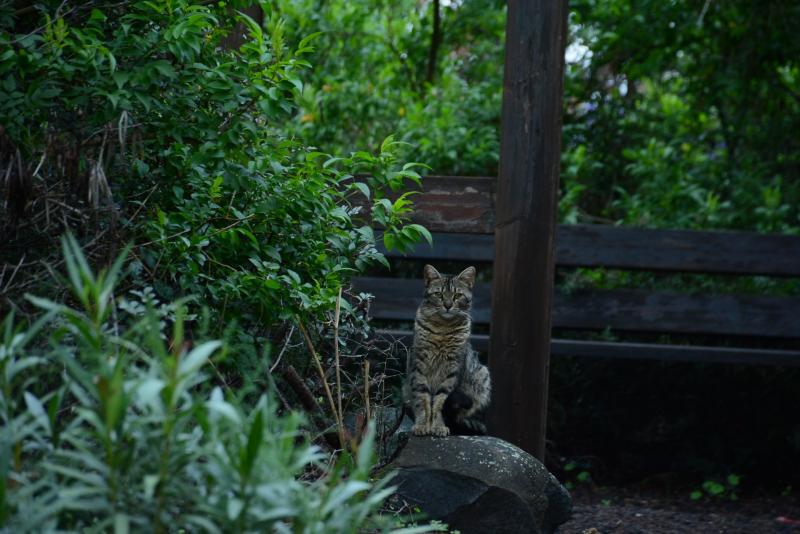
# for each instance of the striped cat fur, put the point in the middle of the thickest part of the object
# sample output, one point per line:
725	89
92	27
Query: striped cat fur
446	386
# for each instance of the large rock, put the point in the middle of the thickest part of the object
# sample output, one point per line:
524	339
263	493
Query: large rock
480	484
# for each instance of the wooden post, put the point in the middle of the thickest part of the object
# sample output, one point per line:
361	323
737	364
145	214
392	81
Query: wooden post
527	202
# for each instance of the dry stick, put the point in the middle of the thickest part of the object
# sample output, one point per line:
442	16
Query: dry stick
144	202
221	378
39	166
283	350
309	403
315	356
173	236
13	274
304	395
366	393
336	353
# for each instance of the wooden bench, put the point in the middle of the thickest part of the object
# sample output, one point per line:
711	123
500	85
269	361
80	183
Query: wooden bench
459	211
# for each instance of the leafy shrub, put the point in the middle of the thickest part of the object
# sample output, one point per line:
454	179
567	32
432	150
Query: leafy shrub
131	436
373	79
141	121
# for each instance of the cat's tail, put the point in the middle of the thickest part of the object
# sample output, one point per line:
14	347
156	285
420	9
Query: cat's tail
469	426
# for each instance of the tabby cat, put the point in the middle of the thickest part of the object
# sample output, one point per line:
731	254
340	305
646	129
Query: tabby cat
446	385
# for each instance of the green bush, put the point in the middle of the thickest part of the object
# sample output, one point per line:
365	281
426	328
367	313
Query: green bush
372	80
129	435
134	121
139	121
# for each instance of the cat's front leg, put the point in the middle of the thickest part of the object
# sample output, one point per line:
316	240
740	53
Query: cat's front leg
422	412
438	428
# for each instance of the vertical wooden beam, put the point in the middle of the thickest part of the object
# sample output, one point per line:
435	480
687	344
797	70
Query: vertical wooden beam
527	201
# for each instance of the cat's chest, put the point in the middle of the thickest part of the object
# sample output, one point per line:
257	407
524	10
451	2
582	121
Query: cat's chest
442	347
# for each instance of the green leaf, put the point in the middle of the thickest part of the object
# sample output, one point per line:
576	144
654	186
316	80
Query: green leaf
253	444
423	232
304	45
387	144
97	15
234	508
122	523
342	493
253	27
217	405
364	188
150	482
713	488
36	408
164	68
120	78
389	241
149	391
197	357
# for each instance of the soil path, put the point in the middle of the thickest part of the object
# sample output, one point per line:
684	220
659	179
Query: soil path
613	512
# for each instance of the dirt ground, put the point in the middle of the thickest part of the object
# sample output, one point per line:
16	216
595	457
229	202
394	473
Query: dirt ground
615	511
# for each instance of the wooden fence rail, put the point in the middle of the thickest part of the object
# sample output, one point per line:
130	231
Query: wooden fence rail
461	211
640	249
621	310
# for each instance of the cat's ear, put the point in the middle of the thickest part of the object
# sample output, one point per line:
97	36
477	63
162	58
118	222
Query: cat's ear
467	276
429	273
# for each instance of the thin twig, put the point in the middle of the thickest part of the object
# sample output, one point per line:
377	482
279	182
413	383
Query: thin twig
282	398
13	274
283	350
366	393
173	236
39	166
144	202
309	403
336	354
221	378
315	356
703	13
67	207
235	223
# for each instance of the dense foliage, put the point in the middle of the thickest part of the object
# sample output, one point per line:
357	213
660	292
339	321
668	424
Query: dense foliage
138	107
677	114
127	438
162	124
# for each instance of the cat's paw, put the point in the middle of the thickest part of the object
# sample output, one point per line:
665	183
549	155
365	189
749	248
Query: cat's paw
420	429
439	431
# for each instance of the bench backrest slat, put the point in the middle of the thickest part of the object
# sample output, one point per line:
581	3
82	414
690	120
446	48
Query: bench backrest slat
619	309
637	351
690	251
460	212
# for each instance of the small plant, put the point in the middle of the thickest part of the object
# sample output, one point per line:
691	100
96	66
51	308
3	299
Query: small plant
713	489
576	474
